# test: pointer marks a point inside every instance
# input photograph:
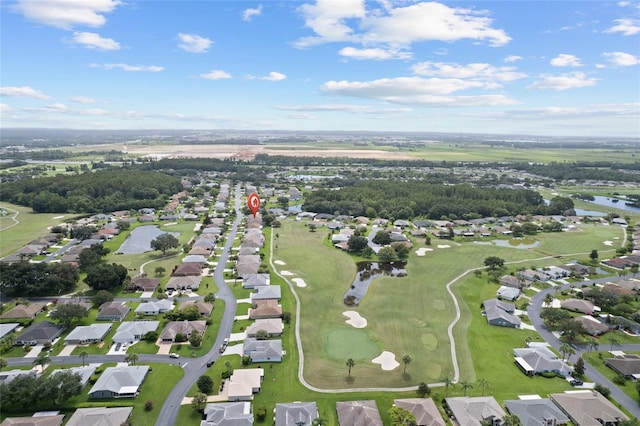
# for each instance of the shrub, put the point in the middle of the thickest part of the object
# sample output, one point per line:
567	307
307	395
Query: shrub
180	338
261	413
549	374
619	380
148	406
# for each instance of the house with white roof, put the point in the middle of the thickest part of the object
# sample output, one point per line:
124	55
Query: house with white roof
119	382
85	334
154	307
132	331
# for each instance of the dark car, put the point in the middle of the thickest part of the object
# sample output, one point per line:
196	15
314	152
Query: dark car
576	382
210	363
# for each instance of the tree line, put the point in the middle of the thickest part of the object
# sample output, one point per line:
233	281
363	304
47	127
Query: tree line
408	200
92	192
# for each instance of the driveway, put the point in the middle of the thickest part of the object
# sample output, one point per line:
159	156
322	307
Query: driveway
66	351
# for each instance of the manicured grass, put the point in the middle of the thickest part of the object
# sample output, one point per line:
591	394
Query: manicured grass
209	334
143	347
596	360
21	225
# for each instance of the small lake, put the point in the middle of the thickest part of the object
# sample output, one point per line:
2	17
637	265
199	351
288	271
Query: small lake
139	240
517	243
610	202
367	272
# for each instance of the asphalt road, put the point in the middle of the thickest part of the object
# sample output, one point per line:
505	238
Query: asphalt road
535	306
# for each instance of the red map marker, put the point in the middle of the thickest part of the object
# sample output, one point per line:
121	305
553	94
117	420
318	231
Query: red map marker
253	201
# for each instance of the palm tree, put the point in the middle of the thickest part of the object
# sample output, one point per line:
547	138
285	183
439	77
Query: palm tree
83	355
406	360
350	364
483	383
511	420
131	359
613	340
564	350
41	360
548	300
3	363
464	384
570	352
593	344
447	382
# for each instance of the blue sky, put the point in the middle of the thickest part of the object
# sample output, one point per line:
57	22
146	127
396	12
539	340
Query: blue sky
513	67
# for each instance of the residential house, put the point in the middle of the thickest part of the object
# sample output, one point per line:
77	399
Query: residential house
146	284
194	258
154	307
536	412
538	360
173	328
85	372
474	411
39	333
296	413
511	281
273	327
119	382
228	414
24	311
265	309
8	375
86	334
113	311
592	325
578	305
631	284
588	408
188	269
424	410
243	383
619	290
358	413
189	282
8	328
133	331
204	308
255	280
618	263
272	292
100	416
508	293
532	275
262	350
576	269
500	313
38	419
626	365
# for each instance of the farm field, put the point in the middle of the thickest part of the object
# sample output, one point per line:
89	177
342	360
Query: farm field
408	315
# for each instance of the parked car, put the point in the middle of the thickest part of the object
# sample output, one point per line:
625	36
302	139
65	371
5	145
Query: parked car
210	363
174	355
576	382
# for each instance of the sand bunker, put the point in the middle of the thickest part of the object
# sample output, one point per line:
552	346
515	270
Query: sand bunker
170	224
355	319
607	243
299	282
423	250
279	262
286	273
387	360
443	246
58	217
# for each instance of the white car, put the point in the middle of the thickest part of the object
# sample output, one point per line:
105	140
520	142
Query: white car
174	355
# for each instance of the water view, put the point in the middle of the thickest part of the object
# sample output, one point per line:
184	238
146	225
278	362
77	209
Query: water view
367	272
519	243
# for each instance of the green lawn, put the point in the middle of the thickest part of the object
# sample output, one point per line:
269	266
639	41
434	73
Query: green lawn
21	225
596	360
209	334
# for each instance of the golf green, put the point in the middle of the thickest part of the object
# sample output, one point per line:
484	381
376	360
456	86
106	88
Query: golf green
355	344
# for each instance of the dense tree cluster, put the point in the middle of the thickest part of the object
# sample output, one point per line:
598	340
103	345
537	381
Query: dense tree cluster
101	191
581	171
104	276
26	279
407	200
28	393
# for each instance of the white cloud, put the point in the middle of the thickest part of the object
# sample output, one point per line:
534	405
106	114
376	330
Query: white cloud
513	58
622	59
5	108
216	75
565	60
194	43
248	14
477	71
57	107
571	80
273	76
24	91
67	14
95	41
300	116
83	100
399	26
416	90
355	109
626	26
374	53
129	68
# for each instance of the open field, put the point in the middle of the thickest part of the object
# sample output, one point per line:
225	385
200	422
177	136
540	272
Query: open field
21	225
430	150
406	315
